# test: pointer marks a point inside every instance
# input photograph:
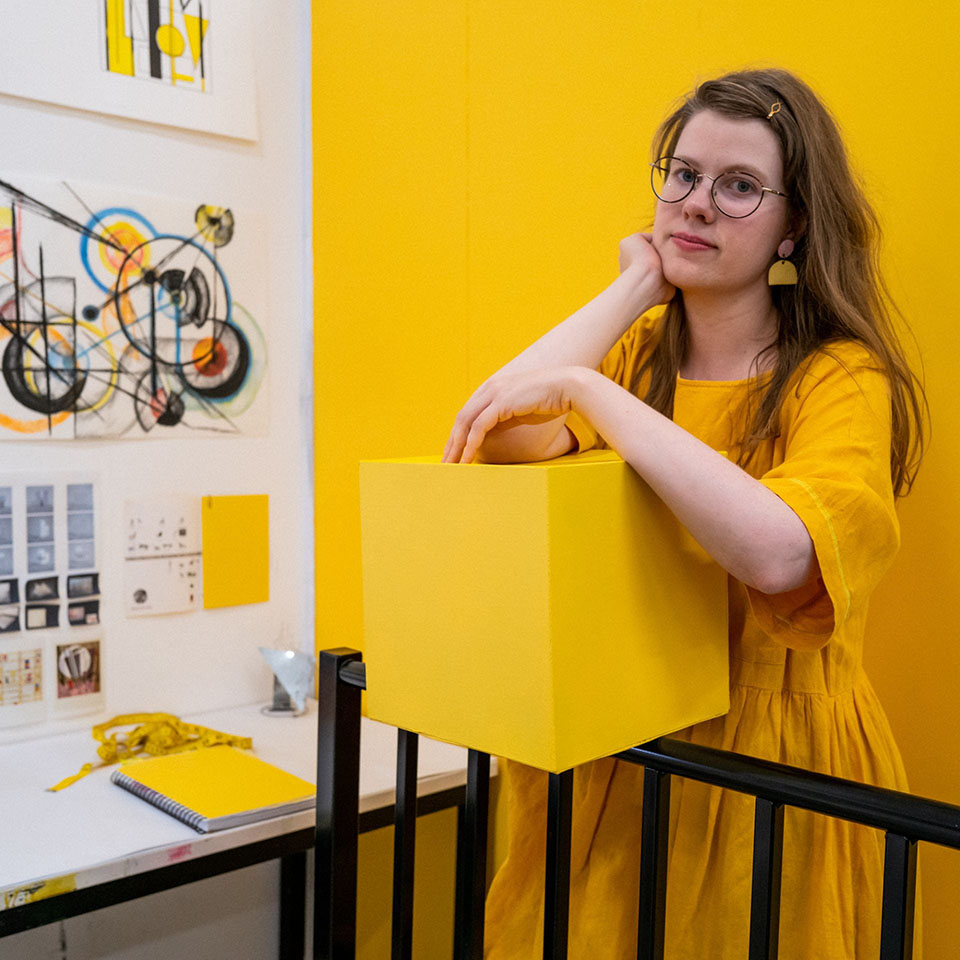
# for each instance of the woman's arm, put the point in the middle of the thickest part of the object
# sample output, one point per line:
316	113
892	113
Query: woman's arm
742	524
582	340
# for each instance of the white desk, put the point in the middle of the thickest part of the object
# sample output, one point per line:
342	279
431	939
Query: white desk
94	833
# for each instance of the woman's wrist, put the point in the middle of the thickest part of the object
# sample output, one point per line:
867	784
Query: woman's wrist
643	286
581	384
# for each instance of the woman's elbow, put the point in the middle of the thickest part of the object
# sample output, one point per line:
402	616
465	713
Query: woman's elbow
788	568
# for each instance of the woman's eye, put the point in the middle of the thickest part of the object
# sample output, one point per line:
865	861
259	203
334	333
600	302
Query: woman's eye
684	175
742	187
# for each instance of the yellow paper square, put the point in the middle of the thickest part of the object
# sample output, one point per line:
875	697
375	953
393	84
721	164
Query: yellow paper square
236	550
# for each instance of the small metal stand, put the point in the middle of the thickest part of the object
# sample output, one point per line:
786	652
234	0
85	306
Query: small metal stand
293	674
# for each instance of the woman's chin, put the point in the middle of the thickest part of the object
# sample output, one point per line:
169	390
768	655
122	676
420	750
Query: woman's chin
685	276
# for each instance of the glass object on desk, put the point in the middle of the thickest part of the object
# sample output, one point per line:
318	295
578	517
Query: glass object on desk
292	682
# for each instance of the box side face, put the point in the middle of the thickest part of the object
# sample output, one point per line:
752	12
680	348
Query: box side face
455	605
638	617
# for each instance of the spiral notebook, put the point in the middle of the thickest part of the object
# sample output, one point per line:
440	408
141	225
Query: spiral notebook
214	788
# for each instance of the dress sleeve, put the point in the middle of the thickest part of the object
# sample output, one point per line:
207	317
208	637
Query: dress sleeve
619	365
835	475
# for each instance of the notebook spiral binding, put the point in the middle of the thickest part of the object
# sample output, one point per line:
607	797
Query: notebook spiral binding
178	810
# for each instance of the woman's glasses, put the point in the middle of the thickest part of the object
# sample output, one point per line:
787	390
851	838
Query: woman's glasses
736	195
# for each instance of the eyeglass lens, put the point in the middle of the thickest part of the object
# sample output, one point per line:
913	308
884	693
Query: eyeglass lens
735	194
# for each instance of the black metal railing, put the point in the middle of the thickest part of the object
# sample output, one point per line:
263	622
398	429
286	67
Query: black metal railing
907	820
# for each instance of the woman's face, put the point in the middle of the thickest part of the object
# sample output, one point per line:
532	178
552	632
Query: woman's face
739	252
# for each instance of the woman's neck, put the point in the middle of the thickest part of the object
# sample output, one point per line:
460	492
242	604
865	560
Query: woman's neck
726	332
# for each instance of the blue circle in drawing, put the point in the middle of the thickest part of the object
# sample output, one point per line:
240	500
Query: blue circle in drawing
172	310
97	221
185	242
90	312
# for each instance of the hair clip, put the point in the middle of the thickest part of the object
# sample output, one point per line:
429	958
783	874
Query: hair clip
774	109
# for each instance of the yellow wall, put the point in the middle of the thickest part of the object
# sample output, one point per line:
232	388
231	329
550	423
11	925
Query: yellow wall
476	164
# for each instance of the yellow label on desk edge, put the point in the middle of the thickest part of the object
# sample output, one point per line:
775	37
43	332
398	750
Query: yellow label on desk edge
40	890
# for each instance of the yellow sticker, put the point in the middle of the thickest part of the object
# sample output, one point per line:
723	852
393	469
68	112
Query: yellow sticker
41	890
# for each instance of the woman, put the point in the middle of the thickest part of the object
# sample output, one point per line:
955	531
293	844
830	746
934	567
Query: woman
770	406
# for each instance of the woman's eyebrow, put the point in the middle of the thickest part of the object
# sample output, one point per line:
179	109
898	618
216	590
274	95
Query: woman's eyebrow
729	168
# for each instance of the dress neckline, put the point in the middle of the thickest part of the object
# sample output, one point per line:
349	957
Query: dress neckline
724	383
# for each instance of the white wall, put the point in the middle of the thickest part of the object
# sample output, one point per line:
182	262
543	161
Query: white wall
209	659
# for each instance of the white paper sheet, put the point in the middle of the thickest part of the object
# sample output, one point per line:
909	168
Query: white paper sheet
162	556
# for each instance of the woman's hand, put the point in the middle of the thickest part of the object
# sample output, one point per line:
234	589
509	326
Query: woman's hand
637	253
534	396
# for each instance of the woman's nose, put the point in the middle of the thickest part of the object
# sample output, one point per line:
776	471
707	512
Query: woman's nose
699	202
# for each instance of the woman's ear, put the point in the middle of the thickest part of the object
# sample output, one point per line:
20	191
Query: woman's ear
797	227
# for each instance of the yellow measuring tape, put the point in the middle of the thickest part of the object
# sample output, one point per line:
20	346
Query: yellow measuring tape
158	733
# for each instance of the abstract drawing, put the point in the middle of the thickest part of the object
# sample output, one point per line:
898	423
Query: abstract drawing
111	327
164	40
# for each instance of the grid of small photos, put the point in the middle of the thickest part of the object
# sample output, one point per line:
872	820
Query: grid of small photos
48	581
42	594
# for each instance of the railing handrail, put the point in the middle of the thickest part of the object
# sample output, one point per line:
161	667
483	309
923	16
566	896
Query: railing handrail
918	818
915	817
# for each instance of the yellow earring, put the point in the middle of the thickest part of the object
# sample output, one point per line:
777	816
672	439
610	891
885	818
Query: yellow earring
783	273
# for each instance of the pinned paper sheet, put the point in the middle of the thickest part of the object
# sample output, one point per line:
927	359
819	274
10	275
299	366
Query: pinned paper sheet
236	550
161	556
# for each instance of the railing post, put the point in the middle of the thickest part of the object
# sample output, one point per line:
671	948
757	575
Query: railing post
765	897
556	913
472	860
899	895
338	804
404	845
654	832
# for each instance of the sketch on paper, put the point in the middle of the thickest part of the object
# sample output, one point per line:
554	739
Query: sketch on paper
162	555
160	40
111	327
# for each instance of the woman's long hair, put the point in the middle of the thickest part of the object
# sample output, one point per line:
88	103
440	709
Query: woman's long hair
841	294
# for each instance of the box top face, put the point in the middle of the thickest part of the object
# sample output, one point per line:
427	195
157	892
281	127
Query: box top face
558	463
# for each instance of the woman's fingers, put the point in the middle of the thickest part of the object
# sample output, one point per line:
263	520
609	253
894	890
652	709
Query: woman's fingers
462	424
486	420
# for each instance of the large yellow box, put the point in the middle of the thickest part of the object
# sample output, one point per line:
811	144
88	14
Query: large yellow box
550	613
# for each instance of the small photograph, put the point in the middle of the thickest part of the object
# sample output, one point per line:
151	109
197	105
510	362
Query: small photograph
78	669
79	496
43	616
40	499
39	558
79	526
6	561
20	677
6	501
81	555
85	585
6	529
84	614
45	589
9	592
9	619
39	529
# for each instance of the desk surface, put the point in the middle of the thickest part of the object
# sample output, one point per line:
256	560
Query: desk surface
93	831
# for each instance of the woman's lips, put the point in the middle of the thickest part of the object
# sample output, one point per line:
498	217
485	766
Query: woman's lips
687	242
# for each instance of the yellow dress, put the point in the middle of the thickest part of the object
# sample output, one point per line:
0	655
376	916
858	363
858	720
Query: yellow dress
798	695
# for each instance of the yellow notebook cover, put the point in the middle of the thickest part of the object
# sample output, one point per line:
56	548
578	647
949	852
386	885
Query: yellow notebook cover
215	787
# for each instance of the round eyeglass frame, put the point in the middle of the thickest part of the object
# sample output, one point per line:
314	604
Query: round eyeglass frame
656	165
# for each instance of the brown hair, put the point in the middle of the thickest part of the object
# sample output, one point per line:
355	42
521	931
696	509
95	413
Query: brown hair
840	295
